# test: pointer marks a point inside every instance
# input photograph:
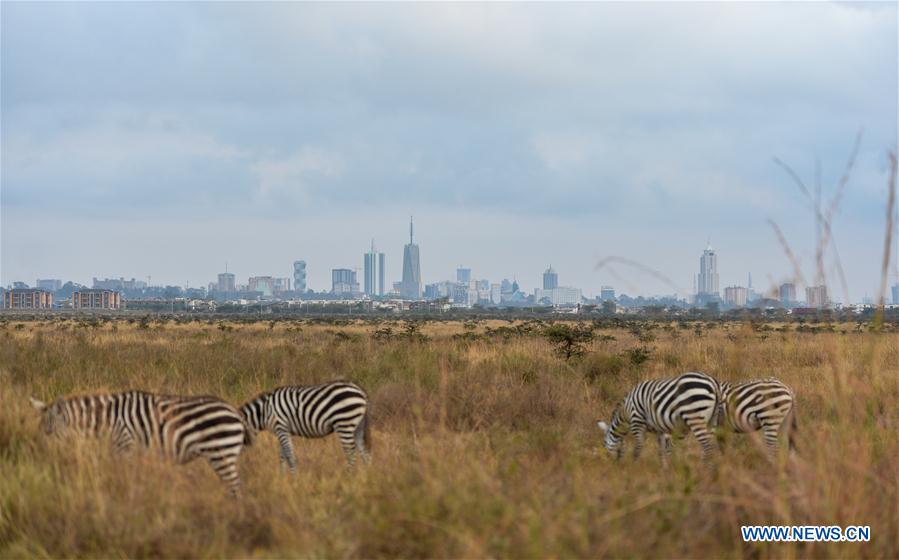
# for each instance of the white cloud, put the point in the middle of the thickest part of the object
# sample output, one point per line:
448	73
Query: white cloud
290	176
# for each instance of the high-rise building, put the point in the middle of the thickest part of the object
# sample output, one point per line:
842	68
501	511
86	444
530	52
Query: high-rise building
49	285
226	282
264	284
374	272
707	281
607	293
432	291
751	295
787	294
896	293
735	295
462	295
343	281
411	269
496	294
280	285
299	276
816	296
463	275
550	279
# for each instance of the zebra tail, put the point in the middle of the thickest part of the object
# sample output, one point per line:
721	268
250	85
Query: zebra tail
365	426
791	432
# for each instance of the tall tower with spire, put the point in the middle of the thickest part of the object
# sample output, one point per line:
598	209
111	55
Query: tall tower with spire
411	286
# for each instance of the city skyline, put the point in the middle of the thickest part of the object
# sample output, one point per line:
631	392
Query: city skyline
299	131
344	282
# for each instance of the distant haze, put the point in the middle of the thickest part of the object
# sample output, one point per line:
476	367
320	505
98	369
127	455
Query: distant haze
166	139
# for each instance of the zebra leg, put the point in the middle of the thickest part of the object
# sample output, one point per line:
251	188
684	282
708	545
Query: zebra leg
700	430
287	455
346	434
769	432
123	441
362	436
638	430
226	469
664	448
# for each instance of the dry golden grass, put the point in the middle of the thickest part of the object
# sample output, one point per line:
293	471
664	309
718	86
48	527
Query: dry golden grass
482	448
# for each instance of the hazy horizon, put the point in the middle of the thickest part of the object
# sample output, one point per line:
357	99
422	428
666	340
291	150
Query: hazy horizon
167	139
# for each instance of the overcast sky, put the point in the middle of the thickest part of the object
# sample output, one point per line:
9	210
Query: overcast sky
166	139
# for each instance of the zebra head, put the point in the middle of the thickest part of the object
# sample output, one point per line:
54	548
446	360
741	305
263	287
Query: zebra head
613	438
54	417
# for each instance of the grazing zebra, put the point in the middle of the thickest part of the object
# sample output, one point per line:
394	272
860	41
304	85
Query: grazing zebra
761	404
313	411
665	407
183	428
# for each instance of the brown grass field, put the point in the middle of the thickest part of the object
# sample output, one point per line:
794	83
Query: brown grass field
484	446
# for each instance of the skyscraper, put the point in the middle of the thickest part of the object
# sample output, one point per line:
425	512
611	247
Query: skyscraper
787	294
607	293
707	281
896	293
816	296
463	275
374	272
736	296
550	279
343	281
411	269
263	284
226	282
299	276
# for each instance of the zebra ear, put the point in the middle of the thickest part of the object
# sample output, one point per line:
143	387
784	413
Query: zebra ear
39	405
603	426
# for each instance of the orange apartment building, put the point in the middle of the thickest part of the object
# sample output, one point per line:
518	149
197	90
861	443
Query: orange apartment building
96	299
27	298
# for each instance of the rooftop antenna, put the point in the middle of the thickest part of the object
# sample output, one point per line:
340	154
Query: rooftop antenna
410	230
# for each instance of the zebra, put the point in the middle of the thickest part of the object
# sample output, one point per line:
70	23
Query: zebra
761	404
665	407
182	428
313	411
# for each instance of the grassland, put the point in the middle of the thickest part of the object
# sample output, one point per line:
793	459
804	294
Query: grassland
485	445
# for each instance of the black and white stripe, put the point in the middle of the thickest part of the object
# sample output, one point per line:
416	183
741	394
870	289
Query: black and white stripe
761	404
665	407
313	411
182	428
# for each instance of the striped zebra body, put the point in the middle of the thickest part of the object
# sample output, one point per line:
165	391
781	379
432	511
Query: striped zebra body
181	428
313	411
761	404
665	407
